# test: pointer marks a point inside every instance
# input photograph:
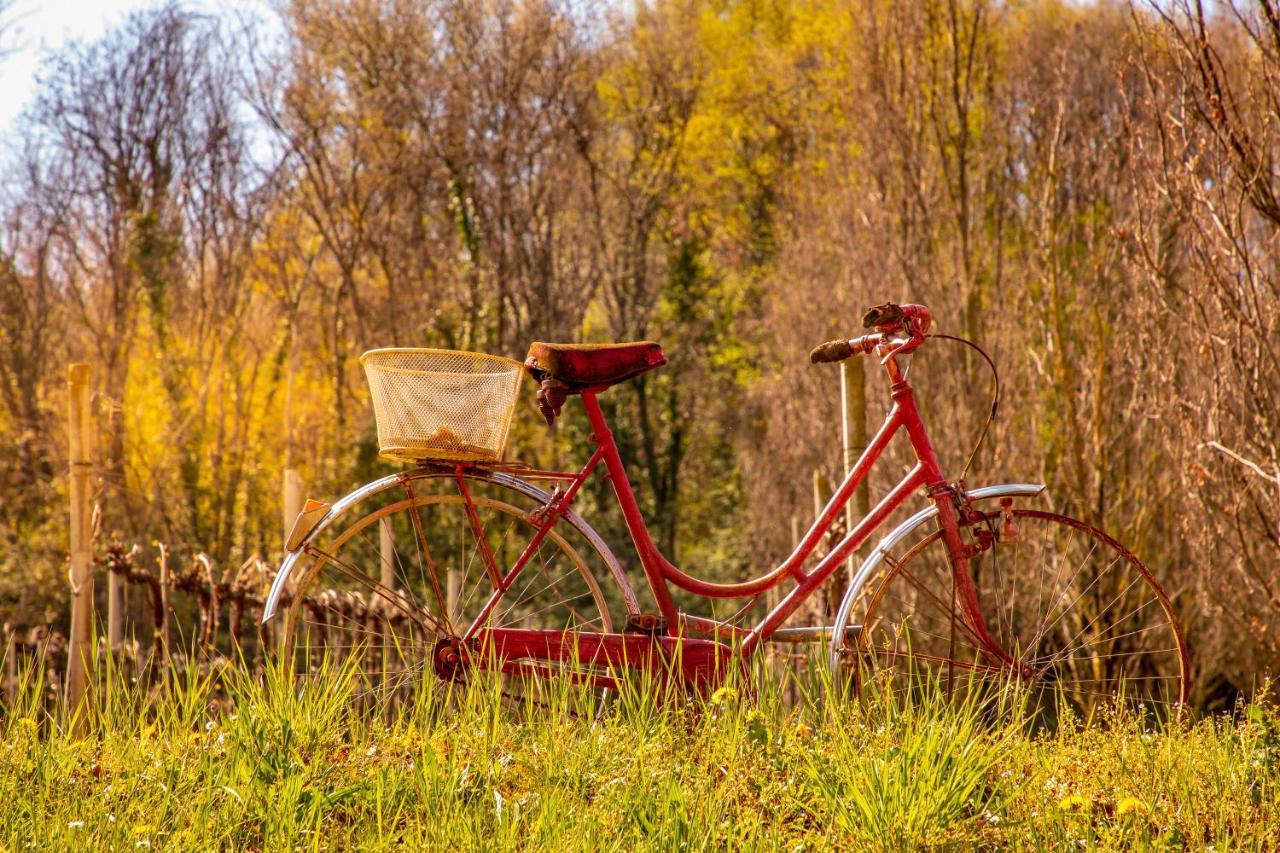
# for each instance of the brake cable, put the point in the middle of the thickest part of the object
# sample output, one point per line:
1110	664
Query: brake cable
995	396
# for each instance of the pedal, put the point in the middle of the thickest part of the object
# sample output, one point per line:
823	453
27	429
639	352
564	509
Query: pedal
652	624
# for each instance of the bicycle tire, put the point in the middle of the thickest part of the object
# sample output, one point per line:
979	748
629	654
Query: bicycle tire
369	588
1095	639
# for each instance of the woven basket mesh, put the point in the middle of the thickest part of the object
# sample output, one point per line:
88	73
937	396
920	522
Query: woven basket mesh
441	404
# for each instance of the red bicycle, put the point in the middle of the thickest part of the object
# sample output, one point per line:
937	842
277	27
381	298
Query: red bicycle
462	562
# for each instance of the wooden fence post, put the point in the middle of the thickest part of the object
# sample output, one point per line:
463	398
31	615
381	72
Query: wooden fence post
162	630
386	578
452	591
291	506
291	490
821	494
853	421
80	653
115	611
387	549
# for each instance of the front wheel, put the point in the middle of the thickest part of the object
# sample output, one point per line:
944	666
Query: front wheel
1075	617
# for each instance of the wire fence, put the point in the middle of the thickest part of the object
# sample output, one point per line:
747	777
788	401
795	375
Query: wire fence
173	618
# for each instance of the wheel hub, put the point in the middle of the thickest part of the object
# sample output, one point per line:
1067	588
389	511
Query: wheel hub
447	659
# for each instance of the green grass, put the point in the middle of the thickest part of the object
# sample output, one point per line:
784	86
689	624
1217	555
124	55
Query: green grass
228	762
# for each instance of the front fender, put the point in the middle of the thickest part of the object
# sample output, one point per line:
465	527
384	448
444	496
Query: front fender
901	532
281	582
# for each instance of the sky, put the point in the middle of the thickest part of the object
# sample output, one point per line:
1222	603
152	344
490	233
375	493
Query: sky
38	27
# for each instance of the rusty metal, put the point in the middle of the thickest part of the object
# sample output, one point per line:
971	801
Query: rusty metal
646	623
667	635
1008	530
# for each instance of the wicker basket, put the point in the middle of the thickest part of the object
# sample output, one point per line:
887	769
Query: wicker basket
435	404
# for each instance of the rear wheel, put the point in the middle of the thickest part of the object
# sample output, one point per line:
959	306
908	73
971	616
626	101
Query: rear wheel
391	586
1075	617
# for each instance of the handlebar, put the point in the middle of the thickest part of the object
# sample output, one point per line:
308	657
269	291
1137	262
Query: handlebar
899	330
833	351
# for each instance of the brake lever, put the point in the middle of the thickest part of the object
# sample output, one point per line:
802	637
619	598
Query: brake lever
885	359
909	342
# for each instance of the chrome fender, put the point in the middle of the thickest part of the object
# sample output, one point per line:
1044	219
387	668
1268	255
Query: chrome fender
895	536
343	505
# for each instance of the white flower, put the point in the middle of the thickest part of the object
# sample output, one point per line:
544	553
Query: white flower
75	823
371	750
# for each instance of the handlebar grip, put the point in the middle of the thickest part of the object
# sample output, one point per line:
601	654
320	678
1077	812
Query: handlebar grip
831	351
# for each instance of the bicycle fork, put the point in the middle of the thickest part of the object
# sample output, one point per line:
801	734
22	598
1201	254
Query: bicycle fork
965	594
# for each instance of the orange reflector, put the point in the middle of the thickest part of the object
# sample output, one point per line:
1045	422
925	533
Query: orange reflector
312	513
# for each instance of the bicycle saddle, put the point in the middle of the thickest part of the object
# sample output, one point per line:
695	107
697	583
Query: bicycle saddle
564	369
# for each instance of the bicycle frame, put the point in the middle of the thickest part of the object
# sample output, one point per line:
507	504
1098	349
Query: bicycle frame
695	652
691	651
689	644
704	655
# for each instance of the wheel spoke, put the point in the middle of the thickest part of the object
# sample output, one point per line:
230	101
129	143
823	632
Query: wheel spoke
424	554
1103	638
1075	608
525	596
347	612
1104	611
942	659
390	596
1047	626
943	607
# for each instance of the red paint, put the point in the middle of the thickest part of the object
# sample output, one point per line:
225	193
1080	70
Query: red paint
702	662
550	516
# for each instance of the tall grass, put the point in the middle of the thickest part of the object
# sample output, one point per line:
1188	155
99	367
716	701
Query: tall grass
227	761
